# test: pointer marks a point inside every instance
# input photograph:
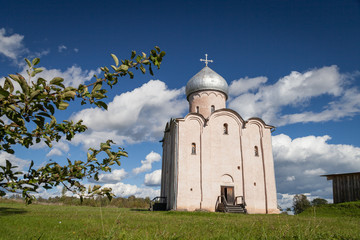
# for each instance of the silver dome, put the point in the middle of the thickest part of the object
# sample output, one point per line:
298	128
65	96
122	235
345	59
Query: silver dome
206	79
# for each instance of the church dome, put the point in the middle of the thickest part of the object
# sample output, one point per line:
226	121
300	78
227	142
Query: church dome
206	79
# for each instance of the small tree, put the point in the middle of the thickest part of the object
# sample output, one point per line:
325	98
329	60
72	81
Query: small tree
300	203
318	201
27	117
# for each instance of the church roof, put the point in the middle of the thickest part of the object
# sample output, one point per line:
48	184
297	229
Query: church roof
207	79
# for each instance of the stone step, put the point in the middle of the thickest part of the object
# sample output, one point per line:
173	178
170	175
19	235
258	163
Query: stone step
235	209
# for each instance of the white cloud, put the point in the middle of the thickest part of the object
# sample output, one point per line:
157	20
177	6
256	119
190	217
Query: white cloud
62	48
58	149
15	161
246	84
290	178
115	176
139	115
125	190
317	172
11	46
147	163
299	163
73	76
295	92
76	50
285	200
153	179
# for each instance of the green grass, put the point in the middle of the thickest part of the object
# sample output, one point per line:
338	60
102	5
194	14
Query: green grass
349	209
18	221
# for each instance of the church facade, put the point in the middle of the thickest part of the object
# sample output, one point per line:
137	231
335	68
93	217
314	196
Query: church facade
212	155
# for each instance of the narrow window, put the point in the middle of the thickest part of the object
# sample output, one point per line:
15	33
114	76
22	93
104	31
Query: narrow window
193	148
256	150
226	128
212	108
197	109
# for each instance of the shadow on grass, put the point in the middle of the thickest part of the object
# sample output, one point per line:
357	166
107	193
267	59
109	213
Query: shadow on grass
5	211
139	209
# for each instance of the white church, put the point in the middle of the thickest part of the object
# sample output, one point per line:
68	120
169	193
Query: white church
213	159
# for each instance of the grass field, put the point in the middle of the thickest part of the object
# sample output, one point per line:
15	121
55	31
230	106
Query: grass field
18	221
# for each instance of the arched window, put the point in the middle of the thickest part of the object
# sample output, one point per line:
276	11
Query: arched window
212	108
197	109
226	128
193	148
256	150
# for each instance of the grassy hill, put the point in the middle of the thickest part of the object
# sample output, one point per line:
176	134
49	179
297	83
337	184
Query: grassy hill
18	221
349	209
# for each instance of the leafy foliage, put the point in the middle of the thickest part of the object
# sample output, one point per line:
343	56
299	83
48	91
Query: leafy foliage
300	203
27	117
318	201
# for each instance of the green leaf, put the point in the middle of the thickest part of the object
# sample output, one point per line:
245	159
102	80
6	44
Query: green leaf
44	114
14	77
142	69
56	81
8	165
157	48
97	87
150	70
39	121
104	146
9	84
50	108
34	94
131	74
133	54
70	94
123	67
3	93
35	61
38	70
63	105
115	59
162	54
101	104
98	95
28	62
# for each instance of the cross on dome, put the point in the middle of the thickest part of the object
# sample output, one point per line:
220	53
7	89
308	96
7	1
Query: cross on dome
206	60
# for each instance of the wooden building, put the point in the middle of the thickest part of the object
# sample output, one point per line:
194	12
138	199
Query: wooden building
346	186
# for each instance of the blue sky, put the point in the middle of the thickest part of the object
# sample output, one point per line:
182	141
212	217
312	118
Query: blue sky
295	64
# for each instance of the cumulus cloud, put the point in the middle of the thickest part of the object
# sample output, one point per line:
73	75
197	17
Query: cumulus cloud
135	116
58	149
15	161
115	176
153	179
11	46
299	163
73	76
296	91
316	172
61	48
246	84
146	164
290	178
125	190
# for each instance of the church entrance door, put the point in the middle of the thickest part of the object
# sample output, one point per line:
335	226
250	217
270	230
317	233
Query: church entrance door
228	193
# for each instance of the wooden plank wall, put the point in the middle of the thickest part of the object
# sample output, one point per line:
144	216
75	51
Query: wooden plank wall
346	188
